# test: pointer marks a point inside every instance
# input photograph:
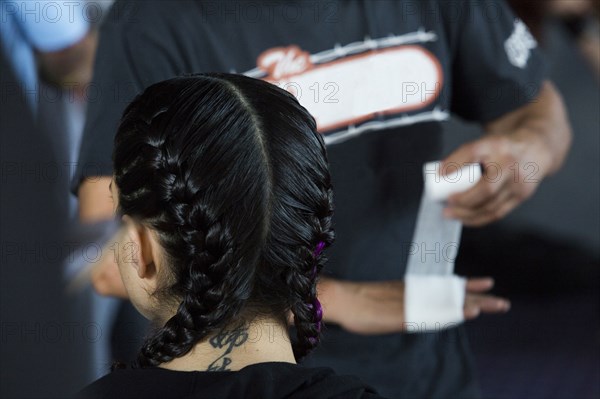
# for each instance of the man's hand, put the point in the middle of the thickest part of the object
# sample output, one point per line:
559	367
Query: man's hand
510	176
105	276
518	151
378	307
476	302
95	205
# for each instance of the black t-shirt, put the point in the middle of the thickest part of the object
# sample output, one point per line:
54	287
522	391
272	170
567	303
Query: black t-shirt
260	381
380	77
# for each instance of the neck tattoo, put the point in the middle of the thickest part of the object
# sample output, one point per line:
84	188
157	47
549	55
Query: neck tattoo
227	340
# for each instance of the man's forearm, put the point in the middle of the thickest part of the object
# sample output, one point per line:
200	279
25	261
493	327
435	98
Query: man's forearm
328	291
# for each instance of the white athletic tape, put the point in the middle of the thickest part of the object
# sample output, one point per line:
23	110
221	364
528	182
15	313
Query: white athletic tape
433	302
434	297
457	179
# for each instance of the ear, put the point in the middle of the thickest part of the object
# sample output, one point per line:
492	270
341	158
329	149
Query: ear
141	252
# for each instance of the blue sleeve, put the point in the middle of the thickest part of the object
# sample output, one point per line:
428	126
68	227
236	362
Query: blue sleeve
49	25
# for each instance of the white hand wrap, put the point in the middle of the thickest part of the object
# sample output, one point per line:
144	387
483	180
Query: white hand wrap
433	302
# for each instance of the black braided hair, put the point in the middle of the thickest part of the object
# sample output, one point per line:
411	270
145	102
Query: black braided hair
232	175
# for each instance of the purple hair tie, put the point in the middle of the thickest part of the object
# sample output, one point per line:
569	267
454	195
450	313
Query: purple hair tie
319	248
319	327
315	306
317	310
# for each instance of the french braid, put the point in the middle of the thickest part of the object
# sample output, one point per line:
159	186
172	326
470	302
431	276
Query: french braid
231	174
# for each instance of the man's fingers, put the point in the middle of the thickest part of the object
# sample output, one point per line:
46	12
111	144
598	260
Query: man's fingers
492	215
479	195
471	312
493	304
487	303
493	210
486	206
466	153
474	197
480	284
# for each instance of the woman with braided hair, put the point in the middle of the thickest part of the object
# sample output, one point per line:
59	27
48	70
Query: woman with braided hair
222	186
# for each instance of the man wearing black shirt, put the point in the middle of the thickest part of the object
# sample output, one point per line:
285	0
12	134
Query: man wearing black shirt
380	78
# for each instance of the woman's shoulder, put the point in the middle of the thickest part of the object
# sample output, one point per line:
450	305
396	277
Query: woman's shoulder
269	380
299	382
139	383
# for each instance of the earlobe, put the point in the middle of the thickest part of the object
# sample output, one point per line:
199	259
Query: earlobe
146	270
140	253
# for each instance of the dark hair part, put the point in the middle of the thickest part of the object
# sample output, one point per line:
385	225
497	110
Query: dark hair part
232	175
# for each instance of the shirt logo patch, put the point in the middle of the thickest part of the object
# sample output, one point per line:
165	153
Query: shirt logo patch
362	86
280	62
346	87
519	45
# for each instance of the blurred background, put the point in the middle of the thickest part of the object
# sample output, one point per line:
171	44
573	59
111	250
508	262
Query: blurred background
545	256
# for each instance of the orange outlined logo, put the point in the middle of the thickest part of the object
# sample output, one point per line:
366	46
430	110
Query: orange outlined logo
372	84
